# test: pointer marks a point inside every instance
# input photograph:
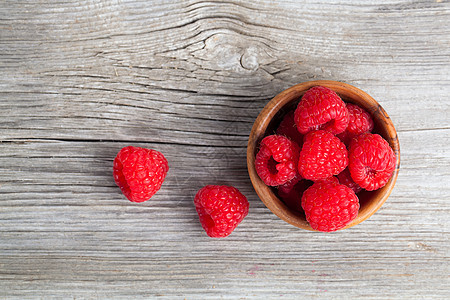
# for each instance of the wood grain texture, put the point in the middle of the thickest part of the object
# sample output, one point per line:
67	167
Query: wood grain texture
81	79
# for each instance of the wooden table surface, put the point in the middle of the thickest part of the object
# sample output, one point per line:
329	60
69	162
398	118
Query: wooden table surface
80	80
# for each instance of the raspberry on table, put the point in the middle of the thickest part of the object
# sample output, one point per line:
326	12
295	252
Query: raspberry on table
360	121
323	155
329	206
321	108
139	172
288	128
346	179
220	209
372	161
277	159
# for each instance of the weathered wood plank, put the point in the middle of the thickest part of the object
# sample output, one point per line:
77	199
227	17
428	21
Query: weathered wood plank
79	80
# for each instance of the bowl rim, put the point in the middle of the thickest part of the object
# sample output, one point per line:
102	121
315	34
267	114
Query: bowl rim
293	93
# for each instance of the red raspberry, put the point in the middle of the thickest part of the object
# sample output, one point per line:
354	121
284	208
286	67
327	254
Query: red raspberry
360	121
321	108
288	128
332	179
139	172
289	186
329	206
292	196
220	209
323	155
277	159
346	179
372	161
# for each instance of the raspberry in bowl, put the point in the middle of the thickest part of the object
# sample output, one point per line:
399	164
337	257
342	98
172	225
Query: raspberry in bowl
349	150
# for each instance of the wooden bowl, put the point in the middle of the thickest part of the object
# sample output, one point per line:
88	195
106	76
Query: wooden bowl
271	116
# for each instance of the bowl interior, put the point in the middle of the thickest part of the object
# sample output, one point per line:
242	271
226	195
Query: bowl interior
271	116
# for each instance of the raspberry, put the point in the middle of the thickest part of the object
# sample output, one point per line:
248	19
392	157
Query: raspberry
323	155
360	121
277	159
139	172
289	186
346	179
292	196
288	128
220	209
321	108
372	161
329	206
332	179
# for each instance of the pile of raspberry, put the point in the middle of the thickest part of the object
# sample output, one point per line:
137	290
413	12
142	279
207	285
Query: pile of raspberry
322	155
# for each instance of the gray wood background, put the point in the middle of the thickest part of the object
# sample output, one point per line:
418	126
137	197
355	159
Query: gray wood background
79	80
